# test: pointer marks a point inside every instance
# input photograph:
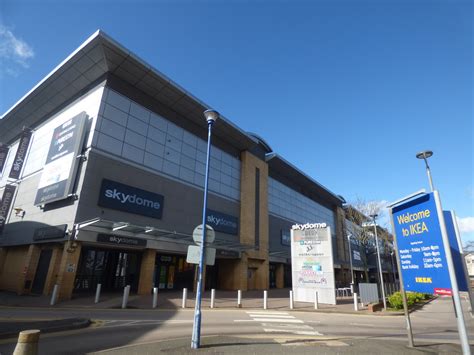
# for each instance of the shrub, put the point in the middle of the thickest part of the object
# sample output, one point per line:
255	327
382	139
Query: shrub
396	300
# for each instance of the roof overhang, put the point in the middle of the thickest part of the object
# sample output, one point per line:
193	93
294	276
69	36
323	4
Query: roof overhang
90	64
283	167
126	229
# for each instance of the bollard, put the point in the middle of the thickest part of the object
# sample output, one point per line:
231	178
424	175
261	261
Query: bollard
185	296
239	299
356	303
27	342
126	292
54	296
291	300
213	297
155	297
316	306
265	299
97	293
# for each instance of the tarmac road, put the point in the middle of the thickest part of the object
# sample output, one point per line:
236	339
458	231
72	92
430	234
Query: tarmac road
259	329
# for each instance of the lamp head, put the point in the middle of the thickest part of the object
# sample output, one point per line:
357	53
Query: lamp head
424	154
211	116
374	216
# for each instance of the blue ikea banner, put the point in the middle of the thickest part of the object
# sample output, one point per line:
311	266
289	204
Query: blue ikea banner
455	251
420	246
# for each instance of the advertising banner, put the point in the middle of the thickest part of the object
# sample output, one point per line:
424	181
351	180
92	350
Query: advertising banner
61	163
20	155
312	263
118	196
5	205
420	246
3	156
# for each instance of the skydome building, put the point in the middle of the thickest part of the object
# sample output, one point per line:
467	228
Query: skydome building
102	173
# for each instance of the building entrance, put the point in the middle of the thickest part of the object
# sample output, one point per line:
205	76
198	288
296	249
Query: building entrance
172	272
114	269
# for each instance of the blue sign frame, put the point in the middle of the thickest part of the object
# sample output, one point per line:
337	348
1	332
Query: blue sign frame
455	251
420	246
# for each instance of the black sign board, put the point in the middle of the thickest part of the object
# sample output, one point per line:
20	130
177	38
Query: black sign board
3	156
118	240
53	232
5	204
285	237
61	163
231	254
20	155
130	199
223	222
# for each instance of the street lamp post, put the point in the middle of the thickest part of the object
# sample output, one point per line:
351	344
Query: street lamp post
425	155
350	259
379	263
211	117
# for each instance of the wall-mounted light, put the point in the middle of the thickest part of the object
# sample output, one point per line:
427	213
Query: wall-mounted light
19	212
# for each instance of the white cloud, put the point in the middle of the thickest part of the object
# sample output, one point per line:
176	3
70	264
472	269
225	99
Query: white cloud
466	224
13	50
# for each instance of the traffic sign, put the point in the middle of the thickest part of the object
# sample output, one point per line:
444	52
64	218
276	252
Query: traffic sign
194	254
210	234
420	246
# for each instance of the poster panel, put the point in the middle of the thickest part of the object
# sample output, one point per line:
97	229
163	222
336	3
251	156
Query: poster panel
312	263
5	205
61	163
420	246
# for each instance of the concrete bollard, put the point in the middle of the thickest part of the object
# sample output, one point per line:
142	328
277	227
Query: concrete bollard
213	297
27	342
356	303
316	306
239	299
97	293
291	300
155	297
54	296
126	293
185	296
265	299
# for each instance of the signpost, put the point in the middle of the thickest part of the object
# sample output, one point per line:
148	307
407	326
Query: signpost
424	254
312	263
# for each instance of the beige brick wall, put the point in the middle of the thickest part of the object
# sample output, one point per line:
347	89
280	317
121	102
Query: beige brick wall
52	277
66	278
31	263
11	276
147	267
280	276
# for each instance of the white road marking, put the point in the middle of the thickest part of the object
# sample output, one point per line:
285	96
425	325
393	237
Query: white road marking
299	332
278	320
362	325
288	326
266	313
271	316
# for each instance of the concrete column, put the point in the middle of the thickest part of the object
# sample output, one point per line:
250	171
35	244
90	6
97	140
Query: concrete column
53	271
147	268
26	278
280	276
67	270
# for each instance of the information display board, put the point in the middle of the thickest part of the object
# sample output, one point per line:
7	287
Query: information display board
312	263
420	246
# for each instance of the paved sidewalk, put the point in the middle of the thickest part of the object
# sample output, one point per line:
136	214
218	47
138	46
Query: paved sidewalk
278	299
11	328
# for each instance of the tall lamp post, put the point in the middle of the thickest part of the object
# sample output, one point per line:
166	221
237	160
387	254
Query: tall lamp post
379	263
350	259
425	155
211	117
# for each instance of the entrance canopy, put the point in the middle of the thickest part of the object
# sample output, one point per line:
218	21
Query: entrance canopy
126	229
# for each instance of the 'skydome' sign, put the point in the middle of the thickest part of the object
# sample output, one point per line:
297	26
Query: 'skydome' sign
420	246
130	199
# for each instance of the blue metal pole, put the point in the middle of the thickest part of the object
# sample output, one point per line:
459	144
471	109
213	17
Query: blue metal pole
196	338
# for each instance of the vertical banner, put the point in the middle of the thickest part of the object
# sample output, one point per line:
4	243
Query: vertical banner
3	156
421	251
61	163
312	263
5	205
20	155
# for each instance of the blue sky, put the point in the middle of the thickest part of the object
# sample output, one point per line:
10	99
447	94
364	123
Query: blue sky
348	91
